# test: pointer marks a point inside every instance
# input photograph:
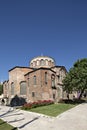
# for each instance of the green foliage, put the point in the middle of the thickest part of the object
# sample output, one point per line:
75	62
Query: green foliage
76	78
1	89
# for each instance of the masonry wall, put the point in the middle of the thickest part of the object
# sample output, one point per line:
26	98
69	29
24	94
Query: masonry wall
6	89
16	76
42	90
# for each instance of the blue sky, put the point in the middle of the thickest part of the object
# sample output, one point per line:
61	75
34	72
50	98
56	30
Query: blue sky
30	28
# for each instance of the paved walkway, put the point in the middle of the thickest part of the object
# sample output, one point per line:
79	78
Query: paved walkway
73	119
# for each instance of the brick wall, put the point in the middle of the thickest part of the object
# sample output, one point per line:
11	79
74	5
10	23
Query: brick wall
42	90
16	75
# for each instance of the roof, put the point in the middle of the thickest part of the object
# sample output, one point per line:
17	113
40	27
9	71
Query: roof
19	67
62	67
41	68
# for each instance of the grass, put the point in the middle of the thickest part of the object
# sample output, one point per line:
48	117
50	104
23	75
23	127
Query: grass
6	126
53	110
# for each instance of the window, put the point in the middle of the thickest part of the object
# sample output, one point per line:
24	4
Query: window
37	62
33	94
5	87
53	96
23	88
28	81
42	62
58	78
50	63
31	64
12	88
34	79
61	75
53	80
46	62
45	77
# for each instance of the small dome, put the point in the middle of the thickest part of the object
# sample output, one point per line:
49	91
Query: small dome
42	61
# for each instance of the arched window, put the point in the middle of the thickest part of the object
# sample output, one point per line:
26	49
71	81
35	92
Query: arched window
45	77
58	78
46	61
54	96
23	88
34	63
37	62
5	87
33	94
53	80
35	80
28	82
50	63
31	65
12	88
42	62
61	74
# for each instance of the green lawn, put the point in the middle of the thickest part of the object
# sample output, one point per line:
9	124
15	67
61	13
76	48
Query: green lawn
53	110
5	126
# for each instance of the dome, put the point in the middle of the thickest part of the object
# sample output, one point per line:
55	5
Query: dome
42	61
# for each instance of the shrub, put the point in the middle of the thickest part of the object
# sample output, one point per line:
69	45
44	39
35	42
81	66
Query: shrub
61	101
37	104
70	101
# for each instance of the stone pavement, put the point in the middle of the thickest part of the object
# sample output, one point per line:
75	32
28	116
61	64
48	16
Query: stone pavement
73	119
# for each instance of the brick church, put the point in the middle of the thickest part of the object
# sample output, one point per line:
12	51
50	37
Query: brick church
42	80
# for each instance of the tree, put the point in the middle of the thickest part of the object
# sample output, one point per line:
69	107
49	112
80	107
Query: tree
76	78
1	89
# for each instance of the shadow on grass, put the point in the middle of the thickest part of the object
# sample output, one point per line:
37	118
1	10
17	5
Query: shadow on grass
15	128
2	123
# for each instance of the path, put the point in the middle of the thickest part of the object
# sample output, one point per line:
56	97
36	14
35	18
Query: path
73	119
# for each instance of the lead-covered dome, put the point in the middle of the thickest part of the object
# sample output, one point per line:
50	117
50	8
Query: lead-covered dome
42	61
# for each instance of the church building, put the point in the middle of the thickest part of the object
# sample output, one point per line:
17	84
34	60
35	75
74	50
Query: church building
42	80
